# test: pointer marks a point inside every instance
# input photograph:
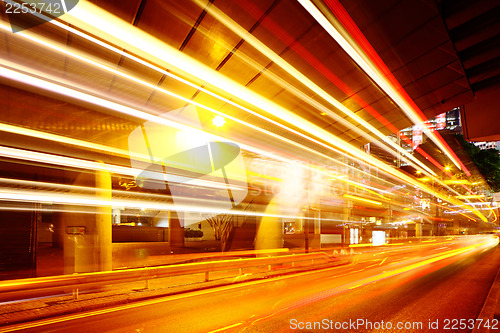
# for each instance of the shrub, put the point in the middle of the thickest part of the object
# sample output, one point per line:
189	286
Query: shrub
191	233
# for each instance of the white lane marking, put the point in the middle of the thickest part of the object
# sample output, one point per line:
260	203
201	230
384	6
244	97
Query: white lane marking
226	328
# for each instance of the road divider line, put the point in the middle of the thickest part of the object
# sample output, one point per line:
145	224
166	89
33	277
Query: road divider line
226	328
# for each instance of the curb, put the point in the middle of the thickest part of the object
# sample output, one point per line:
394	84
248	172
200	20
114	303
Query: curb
489	310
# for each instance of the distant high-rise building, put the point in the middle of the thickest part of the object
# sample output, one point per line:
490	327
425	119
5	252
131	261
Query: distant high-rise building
487	145
453	122
445	121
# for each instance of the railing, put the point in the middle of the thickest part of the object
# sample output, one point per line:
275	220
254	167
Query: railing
54	285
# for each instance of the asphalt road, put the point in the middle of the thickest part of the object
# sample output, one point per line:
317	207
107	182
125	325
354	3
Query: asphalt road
425	288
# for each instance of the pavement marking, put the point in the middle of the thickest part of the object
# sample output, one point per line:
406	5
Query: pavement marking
226	328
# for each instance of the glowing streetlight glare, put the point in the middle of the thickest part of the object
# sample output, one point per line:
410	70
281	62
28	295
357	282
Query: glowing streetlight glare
218	121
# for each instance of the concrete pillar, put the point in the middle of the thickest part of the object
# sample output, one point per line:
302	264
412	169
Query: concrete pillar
90	248
175	231
346	217
418	229
269	229
104	216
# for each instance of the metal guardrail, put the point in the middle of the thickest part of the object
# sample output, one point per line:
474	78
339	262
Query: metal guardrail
47	286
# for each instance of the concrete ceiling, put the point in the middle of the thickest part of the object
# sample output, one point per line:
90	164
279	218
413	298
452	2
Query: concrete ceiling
446	54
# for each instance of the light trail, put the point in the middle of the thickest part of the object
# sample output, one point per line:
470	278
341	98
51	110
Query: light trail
53	137
387	82
148	43
283	35
262	48
28	79
363	199
68	140
16	195
93	19
187	100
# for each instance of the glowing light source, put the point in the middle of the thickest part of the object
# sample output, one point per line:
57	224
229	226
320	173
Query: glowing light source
218	121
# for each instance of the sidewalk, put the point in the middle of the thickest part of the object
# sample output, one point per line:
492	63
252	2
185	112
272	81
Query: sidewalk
491	309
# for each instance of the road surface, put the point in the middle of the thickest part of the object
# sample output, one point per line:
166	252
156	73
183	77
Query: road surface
423	288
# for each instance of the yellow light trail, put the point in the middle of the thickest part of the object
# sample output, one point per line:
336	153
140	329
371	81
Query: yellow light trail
492	210
68	140
471	196
120	152
71	162
265	50
365	187
86	144
150	47
95	20
52	137
129	37
23	77
169	93
26	195
362	199
456	181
